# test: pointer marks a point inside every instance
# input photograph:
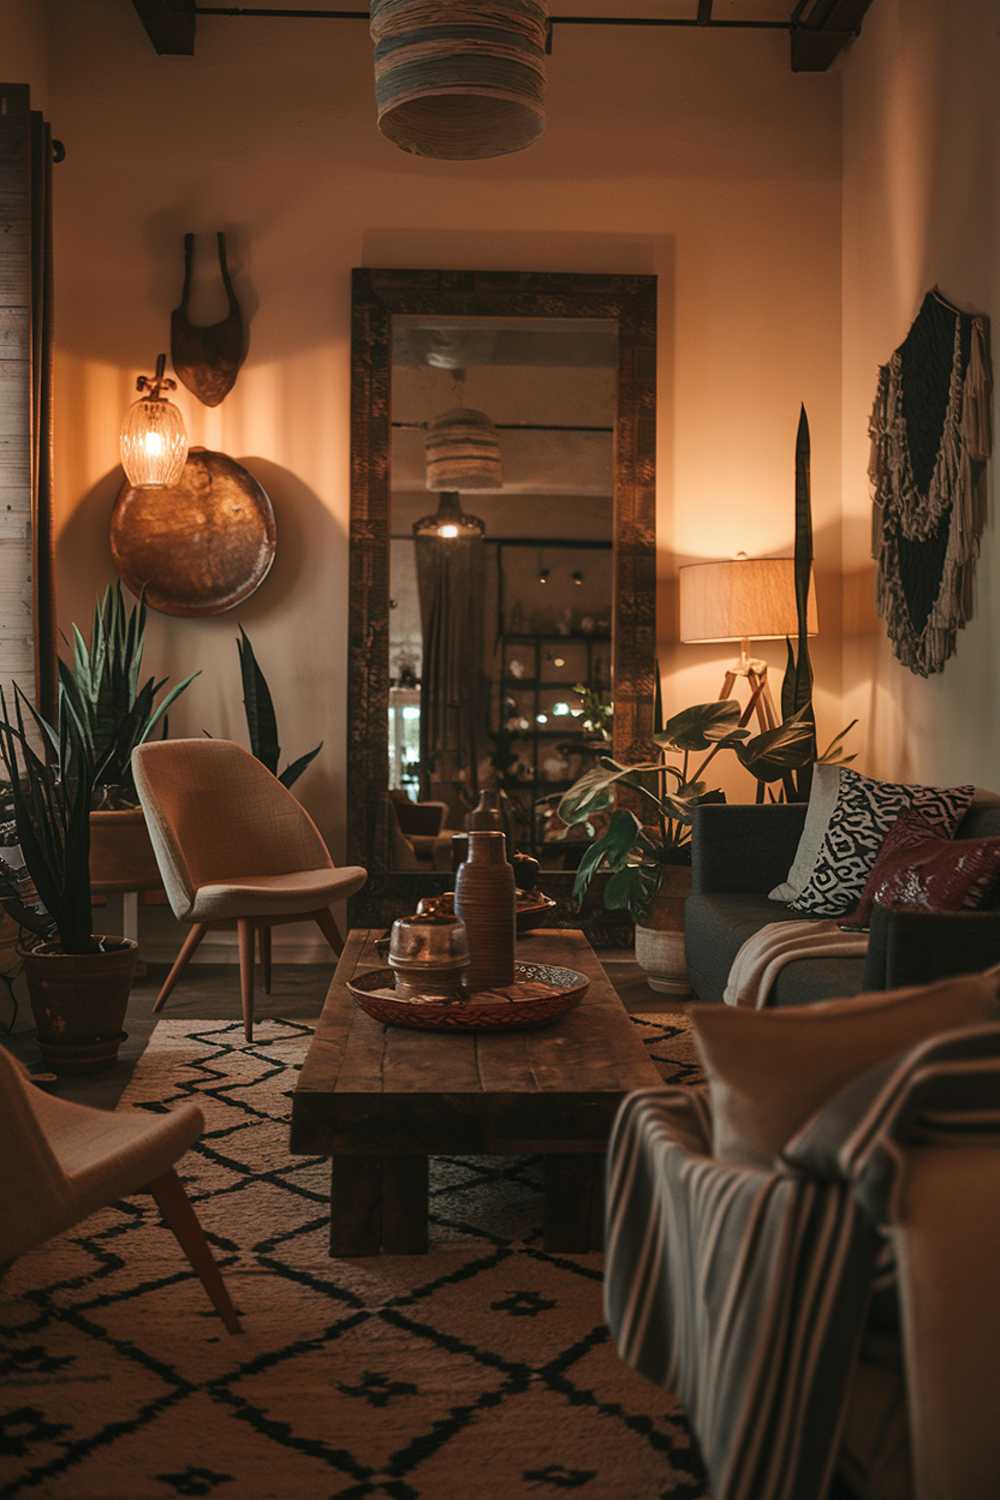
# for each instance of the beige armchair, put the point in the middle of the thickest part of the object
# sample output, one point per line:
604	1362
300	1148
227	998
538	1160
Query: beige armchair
61	1162
234	845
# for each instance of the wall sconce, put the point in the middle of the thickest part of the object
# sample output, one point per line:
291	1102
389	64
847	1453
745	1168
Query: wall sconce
544	574
577	578
154	444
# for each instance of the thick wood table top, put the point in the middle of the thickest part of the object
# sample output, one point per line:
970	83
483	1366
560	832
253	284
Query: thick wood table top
369	1089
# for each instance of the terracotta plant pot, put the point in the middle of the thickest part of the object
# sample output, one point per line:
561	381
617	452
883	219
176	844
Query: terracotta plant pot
79	1002
121	854
659	941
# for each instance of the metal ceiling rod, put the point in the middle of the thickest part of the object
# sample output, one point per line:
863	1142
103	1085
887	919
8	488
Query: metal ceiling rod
258	12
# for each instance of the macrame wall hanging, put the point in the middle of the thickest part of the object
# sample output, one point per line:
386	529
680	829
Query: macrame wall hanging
930	431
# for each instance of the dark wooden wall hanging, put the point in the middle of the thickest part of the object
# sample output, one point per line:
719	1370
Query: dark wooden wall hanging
377	295
207	359
199	547
27	152
931	440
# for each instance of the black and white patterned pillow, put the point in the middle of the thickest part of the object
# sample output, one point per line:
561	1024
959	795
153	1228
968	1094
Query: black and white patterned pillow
864	812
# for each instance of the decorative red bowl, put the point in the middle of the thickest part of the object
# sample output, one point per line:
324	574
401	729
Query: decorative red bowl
540	994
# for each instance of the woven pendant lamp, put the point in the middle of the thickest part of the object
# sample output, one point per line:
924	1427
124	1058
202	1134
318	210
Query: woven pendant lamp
460	79
463	452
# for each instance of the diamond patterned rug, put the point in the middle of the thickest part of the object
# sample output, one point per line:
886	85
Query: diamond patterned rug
480	1370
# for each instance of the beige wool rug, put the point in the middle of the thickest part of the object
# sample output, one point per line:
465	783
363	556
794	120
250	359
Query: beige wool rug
482	1369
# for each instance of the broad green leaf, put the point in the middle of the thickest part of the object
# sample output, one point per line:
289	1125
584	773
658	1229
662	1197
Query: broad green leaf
702	725
769	755
611	850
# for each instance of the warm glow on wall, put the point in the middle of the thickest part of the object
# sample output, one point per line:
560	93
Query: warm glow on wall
154	444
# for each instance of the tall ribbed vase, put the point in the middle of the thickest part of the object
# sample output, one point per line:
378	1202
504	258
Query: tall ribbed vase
484	900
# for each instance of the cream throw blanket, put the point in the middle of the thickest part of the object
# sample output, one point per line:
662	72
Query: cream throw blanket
763	956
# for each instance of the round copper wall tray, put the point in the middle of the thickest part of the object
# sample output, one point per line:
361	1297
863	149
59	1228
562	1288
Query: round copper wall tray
201	546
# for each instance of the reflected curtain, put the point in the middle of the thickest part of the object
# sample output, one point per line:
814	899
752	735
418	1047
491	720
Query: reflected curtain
451	579
41	414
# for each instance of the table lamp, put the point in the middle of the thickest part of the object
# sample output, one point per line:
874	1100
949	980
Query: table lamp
744	599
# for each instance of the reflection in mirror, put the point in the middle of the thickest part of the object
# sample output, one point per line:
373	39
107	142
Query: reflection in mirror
500	577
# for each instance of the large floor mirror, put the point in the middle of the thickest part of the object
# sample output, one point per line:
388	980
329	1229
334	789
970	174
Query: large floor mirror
502	609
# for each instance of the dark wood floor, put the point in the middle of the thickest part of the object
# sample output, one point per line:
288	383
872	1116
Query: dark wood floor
211	992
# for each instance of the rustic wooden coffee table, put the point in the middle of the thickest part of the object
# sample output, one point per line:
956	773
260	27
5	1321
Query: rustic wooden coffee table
380	1100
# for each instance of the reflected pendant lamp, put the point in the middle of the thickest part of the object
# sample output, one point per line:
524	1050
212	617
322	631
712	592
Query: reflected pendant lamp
154	444
449	522
460	79
463	452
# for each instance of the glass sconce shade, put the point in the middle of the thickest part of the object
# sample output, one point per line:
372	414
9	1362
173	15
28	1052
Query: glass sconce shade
154	444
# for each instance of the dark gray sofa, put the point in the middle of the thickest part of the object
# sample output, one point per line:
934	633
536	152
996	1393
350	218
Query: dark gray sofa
741	851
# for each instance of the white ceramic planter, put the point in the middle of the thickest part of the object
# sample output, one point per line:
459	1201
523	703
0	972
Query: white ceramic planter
659	941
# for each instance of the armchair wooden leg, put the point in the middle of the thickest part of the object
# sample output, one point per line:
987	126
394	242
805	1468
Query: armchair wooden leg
245	931
325	922
180	1217
264	939
195	934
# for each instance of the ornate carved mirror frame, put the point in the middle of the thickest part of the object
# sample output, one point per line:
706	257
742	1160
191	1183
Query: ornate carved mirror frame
377	295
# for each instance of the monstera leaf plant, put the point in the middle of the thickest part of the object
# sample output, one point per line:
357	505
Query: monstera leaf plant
637	843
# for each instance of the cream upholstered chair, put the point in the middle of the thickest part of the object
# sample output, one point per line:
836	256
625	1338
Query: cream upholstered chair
233	845
61	1162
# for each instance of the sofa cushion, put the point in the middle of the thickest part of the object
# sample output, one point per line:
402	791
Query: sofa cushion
769	1071
717	925
865	810
919	869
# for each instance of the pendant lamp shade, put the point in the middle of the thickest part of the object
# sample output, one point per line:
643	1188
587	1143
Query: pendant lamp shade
154	443
460	79
463	452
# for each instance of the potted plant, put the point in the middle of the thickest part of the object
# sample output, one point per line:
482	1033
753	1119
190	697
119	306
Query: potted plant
262	724
78	980
648	858
101	692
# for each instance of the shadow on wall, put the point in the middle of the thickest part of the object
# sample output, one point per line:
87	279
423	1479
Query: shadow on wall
298	645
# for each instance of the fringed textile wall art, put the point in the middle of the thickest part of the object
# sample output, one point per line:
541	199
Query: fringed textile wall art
930	431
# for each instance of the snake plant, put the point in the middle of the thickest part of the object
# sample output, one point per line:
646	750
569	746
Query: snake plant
102	696
262	724
51	788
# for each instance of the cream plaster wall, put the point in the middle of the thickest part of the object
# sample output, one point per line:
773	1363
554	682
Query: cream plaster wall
700	158
24	46
921	158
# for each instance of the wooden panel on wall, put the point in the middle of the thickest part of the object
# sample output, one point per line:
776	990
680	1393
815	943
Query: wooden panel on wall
17	662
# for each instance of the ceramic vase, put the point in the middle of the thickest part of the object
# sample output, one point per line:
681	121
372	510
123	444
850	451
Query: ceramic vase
659	941
485	902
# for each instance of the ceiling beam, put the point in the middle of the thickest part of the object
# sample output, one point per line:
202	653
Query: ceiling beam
170	25
820	35
705	12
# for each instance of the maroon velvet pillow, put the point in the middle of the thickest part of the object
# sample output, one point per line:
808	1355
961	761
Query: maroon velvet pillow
919	869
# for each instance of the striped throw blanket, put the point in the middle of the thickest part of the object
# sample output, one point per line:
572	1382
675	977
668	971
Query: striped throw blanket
746	1291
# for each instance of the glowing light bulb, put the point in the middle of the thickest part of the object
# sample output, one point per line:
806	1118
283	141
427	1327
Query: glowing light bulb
541	718
559	661
561	709
447	531
153	444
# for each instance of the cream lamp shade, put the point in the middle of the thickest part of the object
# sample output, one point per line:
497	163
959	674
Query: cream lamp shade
744	598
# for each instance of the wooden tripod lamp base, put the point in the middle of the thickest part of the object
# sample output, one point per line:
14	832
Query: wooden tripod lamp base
761	703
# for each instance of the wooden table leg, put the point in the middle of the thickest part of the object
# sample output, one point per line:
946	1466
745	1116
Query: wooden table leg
404	1205
574	1204
356	1205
